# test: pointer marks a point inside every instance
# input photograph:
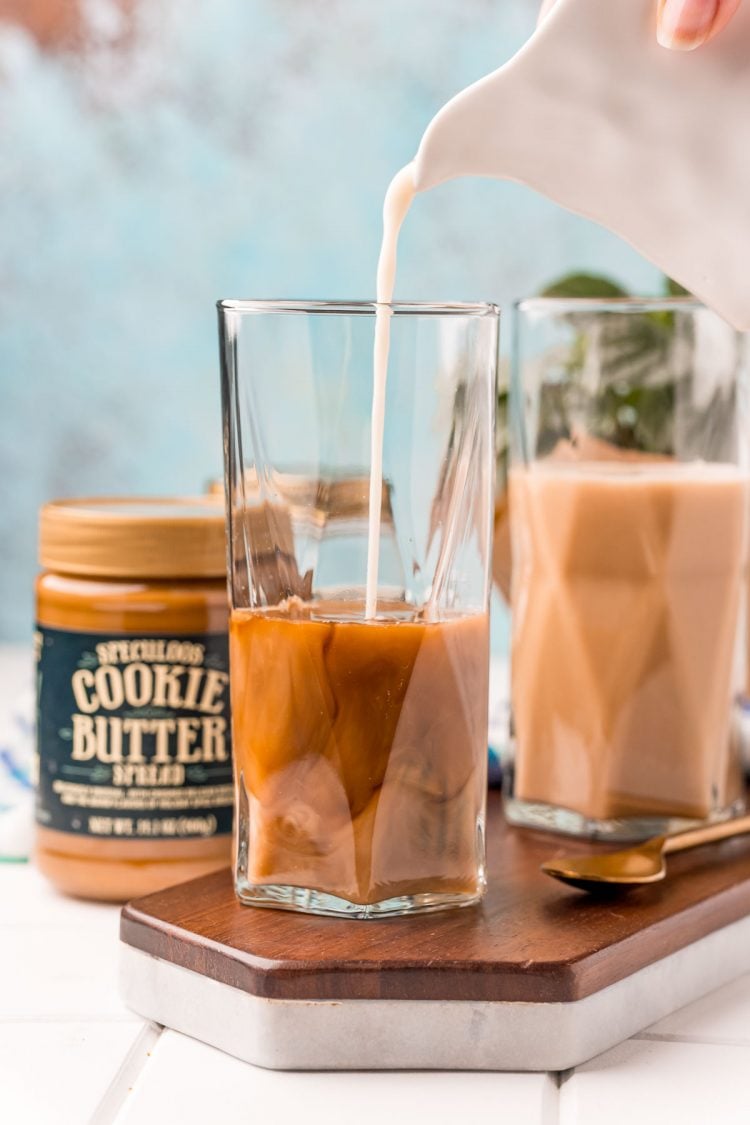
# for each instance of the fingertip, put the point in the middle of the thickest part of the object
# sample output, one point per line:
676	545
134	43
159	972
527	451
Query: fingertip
726	10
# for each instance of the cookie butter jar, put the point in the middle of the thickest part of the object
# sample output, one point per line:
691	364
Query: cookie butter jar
134	772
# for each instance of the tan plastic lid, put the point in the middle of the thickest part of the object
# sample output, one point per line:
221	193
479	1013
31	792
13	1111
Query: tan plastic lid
134	537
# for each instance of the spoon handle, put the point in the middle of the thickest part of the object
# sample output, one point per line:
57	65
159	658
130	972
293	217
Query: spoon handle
705	834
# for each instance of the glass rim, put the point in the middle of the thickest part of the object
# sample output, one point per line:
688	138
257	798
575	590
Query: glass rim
609	304
359	308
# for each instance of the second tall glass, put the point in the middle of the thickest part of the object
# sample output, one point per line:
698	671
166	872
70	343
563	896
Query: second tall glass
360	744
628	498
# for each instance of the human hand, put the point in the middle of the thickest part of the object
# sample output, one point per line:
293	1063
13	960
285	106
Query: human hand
683	25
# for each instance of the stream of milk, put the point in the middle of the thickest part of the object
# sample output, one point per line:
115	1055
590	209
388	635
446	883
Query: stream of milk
397	202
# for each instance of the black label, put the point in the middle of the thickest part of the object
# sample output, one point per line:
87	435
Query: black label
133	735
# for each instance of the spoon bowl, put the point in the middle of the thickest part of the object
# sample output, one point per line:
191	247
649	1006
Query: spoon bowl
630	867
640	865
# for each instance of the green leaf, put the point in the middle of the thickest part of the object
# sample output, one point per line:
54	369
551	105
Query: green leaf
584	285
673	288
632	405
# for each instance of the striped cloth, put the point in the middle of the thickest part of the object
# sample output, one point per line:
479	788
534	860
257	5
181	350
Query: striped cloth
16	752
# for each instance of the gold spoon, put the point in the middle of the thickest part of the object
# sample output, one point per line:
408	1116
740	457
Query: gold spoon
641	864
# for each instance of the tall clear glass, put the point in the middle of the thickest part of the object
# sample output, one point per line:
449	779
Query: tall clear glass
360	744
629	511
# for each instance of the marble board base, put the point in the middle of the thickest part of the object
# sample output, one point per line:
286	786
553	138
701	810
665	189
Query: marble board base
427	1034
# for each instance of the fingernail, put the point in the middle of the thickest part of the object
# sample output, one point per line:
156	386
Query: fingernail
684	24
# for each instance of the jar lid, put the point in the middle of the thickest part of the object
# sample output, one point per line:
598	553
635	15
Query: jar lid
134	537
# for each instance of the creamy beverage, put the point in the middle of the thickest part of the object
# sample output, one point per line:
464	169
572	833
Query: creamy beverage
397	202
360	749
626	593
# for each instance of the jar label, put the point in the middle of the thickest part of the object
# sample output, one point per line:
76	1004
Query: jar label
133	735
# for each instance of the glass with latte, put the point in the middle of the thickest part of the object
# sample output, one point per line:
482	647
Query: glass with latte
359	645
629	515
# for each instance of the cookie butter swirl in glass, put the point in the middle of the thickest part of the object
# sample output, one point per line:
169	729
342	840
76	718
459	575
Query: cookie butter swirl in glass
134	785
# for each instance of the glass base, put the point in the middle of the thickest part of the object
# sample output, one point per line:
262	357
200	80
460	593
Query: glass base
550	818
305	901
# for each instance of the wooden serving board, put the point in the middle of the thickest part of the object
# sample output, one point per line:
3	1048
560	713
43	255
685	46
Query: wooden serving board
539	976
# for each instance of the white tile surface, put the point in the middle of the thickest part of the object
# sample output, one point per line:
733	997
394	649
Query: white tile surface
721	1017
58	957
121	1087
186	1081
27	897
55	1073
59	971
658	1083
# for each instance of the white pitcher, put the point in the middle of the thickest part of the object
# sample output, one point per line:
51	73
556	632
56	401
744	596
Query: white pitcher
651	143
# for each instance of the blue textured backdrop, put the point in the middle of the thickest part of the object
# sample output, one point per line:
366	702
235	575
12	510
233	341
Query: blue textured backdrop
237	148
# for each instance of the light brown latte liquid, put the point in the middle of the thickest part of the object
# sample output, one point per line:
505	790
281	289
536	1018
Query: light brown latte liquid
626	594
360	749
